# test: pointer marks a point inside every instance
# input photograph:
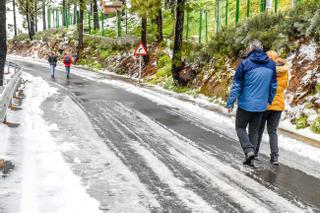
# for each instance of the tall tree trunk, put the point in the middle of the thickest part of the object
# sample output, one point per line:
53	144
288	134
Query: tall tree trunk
14	17
35	15
75	13
64	13
3	39
177	64
144	36
44	23
80	28
95	15
30	26
159	26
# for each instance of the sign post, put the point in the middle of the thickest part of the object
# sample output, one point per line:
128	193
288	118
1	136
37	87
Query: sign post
140	51
140	67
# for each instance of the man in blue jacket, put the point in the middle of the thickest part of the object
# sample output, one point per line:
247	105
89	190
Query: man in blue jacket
254	86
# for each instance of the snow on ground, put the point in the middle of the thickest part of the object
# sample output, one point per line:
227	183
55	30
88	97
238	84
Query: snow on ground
225	125
309	51
223	177
221	122
43	182
105	176
201	100
191	199
61	163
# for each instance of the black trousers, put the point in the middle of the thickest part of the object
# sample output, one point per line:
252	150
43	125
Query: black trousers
244	119
272	119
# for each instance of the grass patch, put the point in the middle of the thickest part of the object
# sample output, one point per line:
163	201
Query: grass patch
315	126
318	88
90	63
301	122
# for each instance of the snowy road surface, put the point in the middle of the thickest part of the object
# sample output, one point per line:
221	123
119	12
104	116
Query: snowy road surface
90	144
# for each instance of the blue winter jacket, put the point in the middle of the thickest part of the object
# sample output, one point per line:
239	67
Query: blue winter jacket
254	84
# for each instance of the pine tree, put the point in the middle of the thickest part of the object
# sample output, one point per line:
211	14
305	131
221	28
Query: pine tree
159	26
82	4
44	18
29	9
14	17
177	63
95	15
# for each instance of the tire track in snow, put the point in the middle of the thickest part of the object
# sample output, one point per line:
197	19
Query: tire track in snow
105	176
158	146
141	127
241	183
118	140
231	153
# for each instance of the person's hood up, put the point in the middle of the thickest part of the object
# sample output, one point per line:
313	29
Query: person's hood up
258	56
282	69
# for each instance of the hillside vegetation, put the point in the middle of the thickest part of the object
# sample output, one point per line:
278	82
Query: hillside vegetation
209	69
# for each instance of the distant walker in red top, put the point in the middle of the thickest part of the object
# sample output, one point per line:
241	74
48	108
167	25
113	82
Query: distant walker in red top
67	60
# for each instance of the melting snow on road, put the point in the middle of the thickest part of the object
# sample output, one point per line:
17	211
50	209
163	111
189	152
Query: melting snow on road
43	181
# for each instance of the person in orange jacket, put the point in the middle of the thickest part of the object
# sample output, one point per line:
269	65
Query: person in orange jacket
67	60
272	116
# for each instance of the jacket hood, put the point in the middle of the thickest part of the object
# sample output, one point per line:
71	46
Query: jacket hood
282	69
258	56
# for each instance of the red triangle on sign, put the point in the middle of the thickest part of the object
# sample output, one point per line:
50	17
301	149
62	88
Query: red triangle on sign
140	50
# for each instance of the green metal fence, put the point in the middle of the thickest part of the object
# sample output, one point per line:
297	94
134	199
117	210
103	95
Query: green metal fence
200	23
219	14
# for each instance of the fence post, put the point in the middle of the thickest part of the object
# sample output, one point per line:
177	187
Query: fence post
126	22
227	12
54	18
119	23
54	12
237	11
57	18
78	18
217	16
262	6
59	14
63	12
187	27
67	18
276	5
248	8
200	27
49	18
89	23
102	23
71	18
207	26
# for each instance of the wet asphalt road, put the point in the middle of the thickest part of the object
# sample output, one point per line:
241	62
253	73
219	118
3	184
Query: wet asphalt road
192	151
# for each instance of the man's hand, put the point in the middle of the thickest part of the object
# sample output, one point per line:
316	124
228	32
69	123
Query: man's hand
230	109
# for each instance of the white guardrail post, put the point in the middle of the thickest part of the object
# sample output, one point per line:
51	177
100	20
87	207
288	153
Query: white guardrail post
8	90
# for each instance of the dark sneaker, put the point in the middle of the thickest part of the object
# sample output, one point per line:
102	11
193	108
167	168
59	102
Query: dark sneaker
274	161
249	159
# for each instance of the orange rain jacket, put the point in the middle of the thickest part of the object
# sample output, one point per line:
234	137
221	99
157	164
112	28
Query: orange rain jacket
278	103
